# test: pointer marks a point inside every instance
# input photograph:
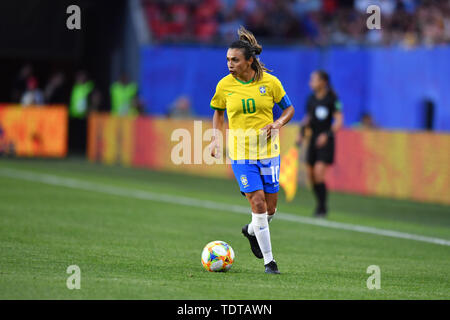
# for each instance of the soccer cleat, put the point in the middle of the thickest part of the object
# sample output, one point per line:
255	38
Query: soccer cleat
320	213
253	242
272	267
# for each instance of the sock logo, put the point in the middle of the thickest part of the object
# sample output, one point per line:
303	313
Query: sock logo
262	228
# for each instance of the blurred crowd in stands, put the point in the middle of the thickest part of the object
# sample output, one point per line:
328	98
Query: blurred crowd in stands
311	22
79	94
406	23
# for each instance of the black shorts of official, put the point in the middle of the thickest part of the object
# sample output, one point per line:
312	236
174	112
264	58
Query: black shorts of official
324	154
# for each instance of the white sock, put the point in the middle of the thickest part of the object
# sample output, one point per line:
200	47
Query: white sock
262	233
270	216
251	231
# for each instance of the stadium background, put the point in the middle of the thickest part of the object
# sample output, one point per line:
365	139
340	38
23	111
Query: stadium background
173	51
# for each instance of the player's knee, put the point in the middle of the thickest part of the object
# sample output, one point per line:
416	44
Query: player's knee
318	179
259	206
319	174
258	203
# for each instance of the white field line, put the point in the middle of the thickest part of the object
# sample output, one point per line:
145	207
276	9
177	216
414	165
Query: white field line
206	204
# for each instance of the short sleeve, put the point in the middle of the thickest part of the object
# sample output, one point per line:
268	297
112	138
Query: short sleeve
278	90
218	101
337	105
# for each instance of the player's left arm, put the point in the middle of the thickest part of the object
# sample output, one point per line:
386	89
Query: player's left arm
285	117
282	99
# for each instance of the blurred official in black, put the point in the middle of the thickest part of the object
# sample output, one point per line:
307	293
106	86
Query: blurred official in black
324	118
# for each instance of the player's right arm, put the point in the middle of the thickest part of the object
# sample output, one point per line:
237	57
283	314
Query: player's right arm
218	103
218	121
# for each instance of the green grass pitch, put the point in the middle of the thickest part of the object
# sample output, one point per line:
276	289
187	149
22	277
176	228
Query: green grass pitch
132	248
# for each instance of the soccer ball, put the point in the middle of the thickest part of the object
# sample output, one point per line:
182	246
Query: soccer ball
217	256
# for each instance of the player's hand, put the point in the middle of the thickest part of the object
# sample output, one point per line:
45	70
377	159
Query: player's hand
321	140
214	149
271	129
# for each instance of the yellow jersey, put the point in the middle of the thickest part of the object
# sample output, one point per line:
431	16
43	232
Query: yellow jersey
249	108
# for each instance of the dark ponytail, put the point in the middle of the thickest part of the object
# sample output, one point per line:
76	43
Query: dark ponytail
251	48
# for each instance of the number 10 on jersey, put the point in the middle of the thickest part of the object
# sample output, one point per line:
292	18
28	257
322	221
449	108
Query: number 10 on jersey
248	106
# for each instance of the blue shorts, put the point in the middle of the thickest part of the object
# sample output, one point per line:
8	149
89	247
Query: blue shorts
255	175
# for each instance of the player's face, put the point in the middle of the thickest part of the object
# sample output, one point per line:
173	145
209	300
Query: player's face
316	82
237	65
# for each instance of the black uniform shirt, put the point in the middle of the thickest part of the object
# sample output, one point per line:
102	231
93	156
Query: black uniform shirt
321	112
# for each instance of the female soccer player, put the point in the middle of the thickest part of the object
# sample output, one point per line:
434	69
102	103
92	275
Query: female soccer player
322	107
248	94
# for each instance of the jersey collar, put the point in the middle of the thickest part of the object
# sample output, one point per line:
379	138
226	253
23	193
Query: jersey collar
249	81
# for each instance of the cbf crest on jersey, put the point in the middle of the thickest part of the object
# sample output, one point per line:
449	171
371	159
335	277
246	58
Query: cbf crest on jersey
262	90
